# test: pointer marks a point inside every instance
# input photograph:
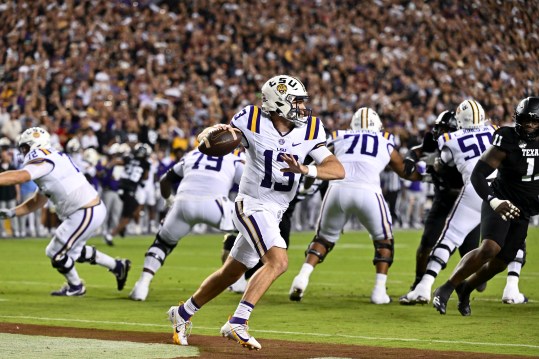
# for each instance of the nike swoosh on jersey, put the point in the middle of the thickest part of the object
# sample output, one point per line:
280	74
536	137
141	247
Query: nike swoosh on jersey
296	144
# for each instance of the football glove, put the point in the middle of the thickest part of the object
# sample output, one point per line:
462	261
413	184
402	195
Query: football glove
504	208
6	213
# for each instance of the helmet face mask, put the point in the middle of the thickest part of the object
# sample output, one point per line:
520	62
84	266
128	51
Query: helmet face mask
470	114
527	118
284	94
446	122
142	151
366	119
32	138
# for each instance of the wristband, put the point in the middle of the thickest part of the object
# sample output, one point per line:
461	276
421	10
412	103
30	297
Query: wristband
312	171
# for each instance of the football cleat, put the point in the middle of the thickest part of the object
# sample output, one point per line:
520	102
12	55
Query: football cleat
120	272
420	295
139	291
69	290
512	295
240	334
299	285
379	296
182	328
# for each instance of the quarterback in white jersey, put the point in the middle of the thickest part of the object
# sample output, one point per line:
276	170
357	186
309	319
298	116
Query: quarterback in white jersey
277	139
462	149
364	152
202	197
77	204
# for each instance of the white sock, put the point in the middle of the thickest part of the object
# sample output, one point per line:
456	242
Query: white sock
105	260
427	280
306	270
380	280
145	277
242	313
73	277
512	281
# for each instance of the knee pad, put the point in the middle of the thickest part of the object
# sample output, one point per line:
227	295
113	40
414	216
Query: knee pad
441	253
63	265
324	242
381	244
229	240
160	249
87	256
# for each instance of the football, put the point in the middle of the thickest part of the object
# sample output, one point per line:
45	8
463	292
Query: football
220	142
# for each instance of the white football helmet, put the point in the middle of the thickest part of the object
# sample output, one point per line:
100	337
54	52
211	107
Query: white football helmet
279	94
34	137
470	114
73	145
91	156
366	119
114	149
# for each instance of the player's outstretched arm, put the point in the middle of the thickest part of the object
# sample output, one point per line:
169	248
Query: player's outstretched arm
10	178
396	163
329	169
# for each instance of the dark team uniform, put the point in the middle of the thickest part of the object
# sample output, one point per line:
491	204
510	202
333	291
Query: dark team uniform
518	182
132	177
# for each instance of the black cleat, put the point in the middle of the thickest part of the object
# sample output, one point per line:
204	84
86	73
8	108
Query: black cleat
120	272
440	299
464	300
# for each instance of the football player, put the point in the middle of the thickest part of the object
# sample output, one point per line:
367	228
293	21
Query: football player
365	150
506	205
136	169
77	204
462	150
277	138
202	197
447	185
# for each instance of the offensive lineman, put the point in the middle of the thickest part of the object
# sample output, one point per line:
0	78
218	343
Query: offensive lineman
447	185
77	204
506	208
202	197
364	151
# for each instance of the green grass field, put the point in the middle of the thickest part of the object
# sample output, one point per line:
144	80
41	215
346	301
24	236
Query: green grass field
335	309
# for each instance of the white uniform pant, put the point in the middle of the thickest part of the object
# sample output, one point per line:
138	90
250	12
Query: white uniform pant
190	210
342	202
259	231
463	218
74	231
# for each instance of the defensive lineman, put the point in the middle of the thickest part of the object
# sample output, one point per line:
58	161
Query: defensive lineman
77	204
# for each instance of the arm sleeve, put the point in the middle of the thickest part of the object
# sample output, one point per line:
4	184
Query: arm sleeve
38	170
479	180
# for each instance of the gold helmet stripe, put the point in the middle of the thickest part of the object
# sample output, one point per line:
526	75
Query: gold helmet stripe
475	110
364	118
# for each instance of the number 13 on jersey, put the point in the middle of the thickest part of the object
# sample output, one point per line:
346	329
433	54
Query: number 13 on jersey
268	168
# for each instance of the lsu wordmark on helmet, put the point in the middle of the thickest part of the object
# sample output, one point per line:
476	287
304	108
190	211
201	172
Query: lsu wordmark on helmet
281	93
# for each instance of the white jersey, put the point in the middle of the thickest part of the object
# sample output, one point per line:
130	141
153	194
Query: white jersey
463	148
65	185
263	180
364	155
208	175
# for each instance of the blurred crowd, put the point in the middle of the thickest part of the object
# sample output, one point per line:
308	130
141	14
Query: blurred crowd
157	72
